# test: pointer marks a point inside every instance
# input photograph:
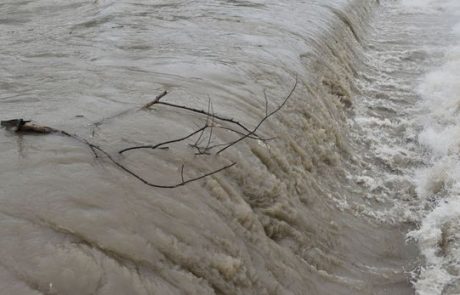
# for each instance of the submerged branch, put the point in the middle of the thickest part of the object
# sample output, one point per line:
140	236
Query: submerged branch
202	144
22	126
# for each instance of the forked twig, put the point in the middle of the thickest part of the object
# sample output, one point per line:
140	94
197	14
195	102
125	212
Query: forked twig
182	183
204	150
199	111
198	141
158	145
22	126
156	100
25	126
268	115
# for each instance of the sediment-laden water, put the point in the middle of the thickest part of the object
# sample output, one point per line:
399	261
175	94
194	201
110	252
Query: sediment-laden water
350	188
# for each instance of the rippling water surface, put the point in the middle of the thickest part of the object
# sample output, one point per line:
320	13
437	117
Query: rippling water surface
354	193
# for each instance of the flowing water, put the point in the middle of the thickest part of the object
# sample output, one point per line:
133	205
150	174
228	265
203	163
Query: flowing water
355	190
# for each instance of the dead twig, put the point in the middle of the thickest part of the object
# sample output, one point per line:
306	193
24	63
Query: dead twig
210	122
268	115
156	100
22	126
159	145
199	111
92	147
198	141
137	176
182	183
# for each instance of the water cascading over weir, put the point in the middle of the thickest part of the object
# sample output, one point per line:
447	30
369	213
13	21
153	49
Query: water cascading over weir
280	221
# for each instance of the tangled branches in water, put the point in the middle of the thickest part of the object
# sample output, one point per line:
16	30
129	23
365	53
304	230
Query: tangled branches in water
203	135
211	119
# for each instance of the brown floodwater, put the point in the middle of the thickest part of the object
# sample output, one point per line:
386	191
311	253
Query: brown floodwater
320	198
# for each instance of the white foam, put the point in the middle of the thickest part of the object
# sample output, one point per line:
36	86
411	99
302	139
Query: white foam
431	238
439	185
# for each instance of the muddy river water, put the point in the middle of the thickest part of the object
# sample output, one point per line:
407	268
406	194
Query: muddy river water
351	187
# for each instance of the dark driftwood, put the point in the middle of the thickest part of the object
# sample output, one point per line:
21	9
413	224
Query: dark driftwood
14	123
22	126
25	126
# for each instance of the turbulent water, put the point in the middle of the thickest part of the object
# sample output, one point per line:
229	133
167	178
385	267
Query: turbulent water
352	187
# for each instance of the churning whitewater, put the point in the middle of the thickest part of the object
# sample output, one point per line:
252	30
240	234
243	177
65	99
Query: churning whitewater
342	176
438	181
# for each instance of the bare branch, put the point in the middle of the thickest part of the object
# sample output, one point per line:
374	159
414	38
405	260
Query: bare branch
198	141
203	149
156	100
182	183
261	121
203	112
82	140
158	145
135	175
